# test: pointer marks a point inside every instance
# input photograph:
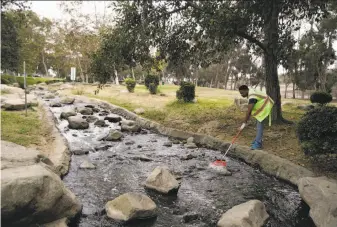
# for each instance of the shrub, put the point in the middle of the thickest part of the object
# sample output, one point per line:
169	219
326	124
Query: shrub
320	97
186	92
8	79
153	88
317	131
151	79
130	84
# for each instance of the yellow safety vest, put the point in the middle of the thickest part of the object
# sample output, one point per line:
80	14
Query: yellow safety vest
263	107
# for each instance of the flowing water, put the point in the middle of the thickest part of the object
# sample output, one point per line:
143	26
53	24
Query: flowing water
204	194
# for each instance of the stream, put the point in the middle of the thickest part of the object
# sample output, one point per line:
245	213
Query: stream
204	194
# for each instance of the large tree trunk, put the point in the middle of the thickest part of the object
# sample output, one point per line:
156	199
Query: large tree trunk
80	66
271	44
285	92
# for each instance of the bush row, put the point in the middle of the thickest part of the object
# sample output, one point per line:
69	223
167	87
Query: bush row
8	79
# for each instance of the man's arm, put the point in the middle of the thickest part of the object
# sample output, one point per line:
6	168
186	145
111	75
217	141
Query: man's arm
249	111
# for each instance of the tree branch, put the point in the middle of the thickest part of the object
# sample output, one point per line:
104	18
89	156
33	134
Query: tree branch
251	39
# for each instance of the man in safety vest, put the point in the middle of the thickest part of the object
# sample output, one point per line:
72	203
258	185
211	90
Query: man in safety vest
259	106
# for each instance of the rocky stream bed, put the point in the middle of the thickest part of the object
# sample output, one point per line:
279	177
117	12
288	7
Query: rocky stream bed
123	166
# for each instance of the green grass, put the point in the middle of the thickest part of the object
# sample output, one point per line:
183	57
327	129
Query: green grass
4	92
8	79
127	105
17	128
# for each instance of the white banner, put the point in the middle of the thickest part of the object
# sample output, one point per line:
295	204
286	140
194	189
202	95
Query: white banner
73	73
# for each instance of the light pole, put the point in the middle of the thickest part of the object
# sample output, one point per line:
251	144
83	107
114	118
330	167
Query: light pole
25	85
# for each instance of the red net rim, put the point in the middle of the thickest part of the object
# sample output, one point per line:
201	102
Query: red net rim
220	163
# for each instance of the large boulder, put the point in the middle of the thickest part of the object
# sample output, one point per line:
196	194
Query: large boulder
249	214
14	155
76	122
68	100
91	118
34	195
15	104
162	181
131	206
130	126
85	110
80	148
66	115
113	118
114	135
321	196
100	123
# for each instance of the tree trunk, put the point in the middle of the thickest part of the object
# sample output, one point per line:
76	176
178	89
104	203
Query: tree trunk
133	74
271	44
44	64
285	92
81	71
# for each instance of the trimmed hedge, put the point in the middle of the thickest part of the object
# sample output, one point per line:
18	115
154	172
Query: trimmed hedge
317	131
8	79
151	79
153	88
321	97
186	92
130	84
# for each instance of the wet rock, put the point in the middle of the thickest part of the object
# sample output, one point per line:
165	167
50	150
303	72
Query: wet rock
139	146
76	122
96	110
67	100
87	211
190	145
176	142
321	196
189	217
58	223
113	118
100	123
130	126
87	165
153	140
74	135
66	115
162	181
131	206
23	186
91	119
168	144
78	148
251	214
142	158
85	110
55	104
104	113
188	157
129	142
139	111
143	132
114	135
105	147
90	106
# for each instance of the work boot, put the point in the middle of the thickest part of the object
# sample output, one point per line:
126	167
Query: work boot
256	146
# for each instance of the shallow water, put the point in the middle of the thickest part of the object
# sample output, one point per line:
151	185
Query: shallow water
123	168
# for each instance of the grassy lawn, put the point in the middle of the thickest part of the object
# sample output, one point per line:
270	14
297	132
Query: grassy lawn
17	128
214	114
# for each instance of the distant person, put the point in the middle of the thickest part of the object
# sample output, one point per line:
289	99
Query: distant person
259	106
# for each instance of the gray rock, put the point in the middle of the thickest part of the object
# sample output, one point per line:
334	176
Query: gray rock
100	123
104	113
176	142
188	157
91	118
321	196
142	158
87	165
68	100
129	142
130	126
249	214
114	135
190	140
76	122
55	104
130	206
49	96
162	181
90	106
113	118
168	144
15	104
190	145
66	115
139	111
23	186
85	110
96	110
